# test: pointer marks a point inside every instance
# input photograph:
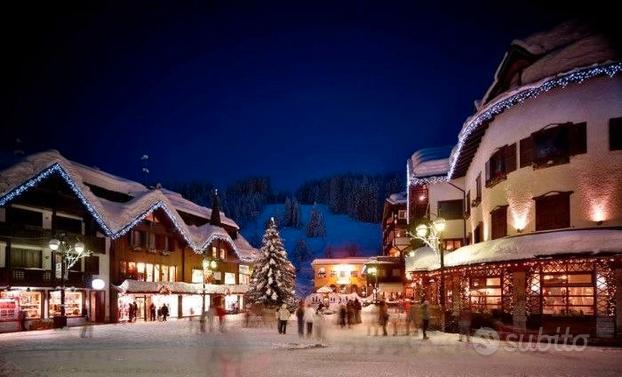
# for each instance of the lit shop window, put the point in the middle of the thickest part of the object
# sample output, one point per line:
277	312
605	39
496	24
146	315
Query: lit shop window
485	293
131	270
568	294
197	275
172	273
73	304
140	271
11	302
149	272
214	252
229	278
156	272
164	273
244	279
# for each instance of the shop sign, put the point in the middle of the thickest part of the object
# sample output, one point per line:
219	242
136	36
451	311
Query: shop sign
59	270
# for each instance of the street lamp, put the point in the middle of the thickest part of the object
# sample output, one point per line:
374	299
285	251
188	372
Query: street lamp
70	255
209	266
431	234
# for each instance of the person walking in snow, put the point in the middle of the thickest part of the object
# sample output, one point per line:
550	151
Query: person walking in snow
283	316
164	312
318	324
411	318
343	312
383	317
152	312
464	324
425	317
300	316
309	317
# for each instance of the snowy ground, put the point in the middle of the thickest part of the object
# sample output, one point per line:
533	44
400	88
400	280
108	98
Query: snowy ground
176	348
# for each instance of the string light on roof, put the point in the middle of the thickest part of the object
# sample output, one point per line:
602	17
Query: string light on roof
561	81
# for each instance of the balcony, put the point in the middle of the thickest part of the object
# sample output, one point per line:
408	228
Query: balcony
33	235
36	277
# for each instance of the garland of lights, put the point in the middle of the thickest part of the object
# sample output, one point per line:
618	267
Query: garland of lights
56	168
561	81
428	180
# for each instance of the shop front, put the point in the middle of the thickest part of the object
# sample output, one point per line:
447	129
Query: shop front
182	299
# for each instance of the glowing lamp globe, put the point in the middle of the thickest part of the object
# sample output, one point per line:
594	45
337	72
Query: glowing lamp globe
213	264
205	264
98	284
78	247
54	244
421	230
439	224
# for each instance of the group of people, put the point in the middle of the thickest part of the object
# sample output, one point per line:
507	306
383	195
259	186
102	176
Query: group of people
162	312
209	316
350	313
380	316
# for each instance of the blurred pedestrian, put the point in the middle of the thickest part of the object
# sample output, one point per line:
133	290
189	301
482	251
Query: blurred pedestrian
164	312
383	317
211	313
152	312
357	311
309	318
342	315
22	319
283	316
425	317
411	318
464	324
220	312
300	316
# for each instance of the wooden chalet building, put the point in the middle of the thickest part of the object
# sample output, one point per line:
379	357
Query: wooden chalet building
148	246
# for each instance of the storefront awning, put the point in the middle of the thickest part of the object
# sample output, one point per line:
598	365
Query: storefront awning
135	286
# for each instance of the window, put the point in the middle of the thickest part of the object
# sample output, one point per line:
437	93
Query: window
24	217
485	293
170	244
160	242
156	272
553	211
244	279
452	244
172	273
467	208
229	278
132	271
500	164
554	145
321	273
223	254
164	273
25	258
214	252
138	239
615	134
401	214
499	222
66	224
197	275
122	269
91	265
152	241
149	272
478	191
450	209
568	294
140	271
73	304
396	273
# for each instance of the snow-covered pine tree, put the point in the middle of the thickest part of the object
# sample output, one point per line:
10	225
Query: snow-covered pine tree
301	253
273	279
287	213
316	226
296	217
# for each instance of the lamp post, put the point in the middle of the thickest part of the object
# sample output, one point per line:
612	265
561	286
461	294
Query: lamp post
70	255
209	265
431	234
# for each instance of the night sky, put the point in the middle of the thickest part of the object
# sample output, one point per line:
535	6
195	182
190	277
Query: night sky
218	91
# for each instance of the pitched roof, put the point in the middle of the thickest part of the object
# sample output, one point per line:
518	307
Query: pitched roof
114	218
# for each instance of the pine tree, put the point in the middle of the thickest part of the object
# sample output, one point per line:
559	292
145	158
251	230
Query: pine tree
287	213
296	217
273	279
316	227
301	253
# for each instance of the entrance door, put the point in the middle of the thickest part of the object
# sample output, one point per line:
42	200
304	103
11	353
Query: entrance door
141	313
97	306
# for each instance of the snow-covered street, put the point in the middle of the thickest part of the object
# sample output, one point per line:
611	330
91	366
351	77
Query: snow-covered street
176	348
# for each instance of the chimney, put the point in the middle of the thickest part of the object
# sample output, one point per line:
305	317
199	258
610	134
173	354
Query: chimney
215	218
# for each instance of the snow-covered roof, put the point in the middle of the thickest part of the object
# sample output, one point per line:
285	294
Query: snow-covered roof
397	198
114	218
135	286
353	260
185	205
529	246
429	162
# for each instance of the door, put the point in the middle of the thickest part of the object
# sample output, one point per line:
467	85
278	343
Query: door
141	313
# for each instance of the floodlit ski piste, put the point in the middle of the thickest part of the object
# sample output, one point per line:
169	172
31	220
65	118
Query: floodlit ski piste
494	250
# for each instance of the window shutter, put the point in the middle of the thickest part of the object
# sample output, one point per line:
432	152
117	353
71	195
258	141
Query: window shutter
615	134
553	211
510	158
499	223
487	171
526	152
578	138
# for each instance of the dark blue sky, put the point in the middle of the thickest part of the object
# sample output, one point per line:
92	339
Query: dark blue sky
223	90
